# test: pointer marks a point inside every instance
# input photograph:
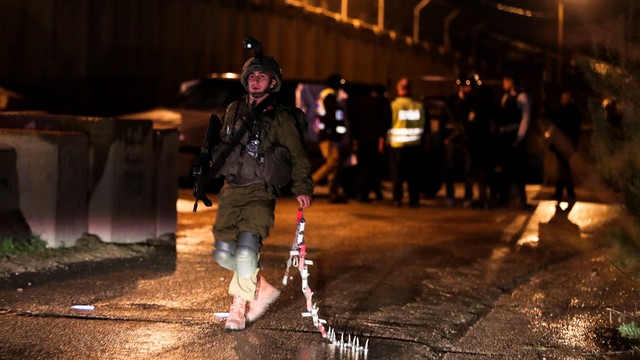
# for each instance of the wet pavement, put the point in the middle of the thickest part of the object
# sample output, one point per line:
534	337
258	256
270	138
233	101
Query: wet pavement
428	283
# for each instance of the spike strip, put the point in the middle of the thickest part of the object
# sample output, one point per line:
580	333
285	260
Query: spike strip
297	259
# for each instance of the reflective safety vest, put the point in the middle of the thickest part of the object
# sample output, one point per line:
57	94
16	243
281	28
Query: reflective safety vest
321	112
407	123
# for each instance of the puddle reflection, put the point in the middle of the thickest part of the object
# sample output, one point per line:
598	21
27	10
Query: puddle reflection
558	222
565	226
341	353
559	227
576	331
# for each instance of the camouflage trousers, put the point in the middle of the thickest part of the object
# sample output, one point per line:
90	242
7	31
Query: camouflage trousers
244	209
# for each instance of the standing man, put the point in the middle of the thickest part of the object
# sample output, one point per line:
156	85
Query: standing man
513	126
405	138
457	152
565	137
331	127
370	120
270	153
478	133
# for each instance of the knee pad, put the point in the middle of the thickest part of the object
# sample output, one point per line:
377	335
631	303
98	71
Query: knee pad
247	254
224	254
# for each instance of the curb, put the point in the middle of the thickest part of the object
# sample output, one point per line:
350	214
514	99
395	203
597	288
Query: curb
141	256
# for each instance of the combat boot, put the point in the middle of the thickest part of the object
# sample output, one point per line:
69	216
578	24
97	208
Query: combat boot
236	319
265	295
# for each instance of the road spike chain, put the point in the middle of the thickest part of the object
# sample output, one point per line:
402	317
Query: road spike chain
297	259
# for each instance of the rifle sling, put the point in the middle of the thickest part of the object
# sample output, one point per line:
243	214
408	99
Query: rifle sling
222	155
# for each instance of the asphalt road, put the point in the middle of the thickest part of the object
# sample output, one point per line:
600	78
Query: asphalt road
413	282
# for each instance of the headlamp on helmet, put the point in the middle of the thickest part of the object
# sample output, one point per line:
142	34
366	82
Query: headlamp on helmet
261	63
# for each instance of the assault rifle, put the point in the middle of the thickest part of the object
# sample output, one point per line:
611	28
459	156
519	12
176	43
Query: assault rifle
210	162
203	163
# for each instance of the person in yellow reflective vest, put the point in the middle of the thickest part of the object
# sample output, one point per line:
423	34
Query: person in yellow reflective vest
405	139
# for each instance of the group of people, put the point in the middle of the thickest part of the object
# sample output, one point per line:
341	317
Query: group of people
369	127
485	143
263	150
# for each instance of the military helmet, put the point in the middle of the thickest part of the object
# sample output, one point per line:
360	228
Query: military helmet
265	64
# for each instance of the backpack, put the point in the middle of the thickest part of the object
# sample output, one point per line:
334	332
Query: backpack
276	169
301	121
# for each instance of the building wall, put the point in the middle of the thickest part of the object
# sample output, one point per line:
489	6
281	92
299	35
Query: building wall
113	56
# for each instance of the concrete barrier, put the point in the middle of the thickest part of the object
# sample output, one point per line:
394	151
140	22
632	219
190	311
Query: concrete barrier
121	206
167	145
12	222
126	203
8	179
53	173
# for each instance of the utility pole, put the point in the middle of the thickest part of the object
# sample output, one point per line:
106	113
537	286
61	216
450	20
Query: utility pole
416	19
381	14
344	9
560	41
446	31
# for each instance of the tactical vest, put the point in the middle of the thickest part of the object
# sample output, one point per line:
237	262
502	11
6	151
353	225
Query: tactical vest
255	159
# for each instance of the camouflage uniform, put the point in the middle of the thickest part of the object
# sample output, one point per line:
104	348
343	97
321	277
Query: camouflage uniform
246	201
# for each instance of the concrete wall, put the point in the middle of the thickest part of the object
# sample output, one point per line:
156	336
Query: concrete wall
121	55
53	172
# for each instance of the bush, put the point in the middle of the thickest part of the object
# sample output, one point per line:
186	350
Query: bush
629	331
616	136
16	245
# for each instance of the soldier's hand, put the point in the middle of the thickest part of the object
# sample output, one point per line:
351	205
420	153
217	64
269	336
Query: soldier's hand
304	201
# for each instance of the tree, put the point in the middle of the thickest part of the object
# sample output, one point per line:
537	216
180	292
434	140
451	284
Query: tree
615	73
